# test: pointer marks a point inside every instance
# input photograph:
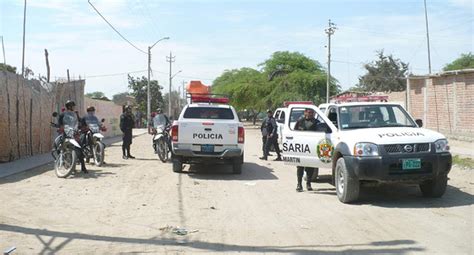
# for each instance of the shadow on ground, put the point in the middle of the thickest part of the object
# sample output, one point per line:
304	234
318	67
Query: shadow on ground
250	171
47	237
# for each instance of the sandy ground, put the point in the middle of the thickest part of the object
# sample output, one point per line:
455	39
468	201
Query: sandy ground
126	206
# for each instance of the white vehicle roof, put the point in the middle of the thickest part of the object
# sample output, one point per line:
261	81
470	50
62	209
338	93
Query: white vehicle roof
365	103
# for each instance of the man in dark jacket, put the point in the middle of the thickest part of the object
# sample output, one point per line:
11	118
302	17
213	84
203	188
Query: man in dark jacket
127	123
272	136
307	123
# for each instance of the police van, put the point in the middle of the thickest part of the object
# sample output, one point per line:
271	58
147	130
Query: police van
370	142
208	131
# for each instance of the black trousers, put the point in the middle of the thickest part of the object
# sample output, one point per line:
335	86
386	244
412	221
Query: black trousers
126	142
264	141
300	171
268	144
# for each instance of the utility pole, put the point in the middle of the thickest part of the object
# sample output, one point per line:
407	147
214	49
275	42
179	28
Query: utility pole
427	39
329	31
184	92
170	59
4	58
23	54
148	97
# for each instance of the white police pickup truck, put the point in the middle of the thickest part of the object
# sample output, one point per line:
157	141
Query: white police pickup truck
370	142
208	132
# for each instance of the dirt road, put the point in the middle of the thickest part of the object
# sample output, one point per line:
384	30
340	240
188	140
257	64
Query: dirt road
130	206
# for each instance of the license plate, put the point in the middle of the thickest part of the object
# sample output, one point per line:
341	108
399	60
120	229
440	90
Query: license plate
207	148
409	164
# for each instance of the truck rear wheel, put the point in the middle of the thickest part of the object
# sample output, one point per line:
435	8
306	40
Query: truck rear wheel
347	187
177	166
435	187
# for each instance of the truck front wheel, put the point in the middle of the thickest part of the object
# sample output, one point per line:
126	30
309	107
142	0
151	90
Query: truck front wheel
435	187
347	187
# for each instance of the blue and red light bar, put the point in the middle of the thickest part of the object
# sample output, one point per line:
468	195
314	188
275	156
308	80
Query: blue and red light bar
208	98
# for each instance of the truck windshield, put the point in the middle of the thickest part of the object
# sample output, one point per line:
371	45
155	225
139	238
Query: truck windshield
373	116
213	113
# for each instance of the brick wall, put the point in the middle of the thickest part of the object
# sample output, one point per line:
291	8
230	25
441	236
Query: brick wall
449	102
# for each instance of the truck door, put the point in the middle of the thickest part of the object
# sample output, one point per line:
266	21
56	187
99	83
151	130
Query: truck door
307	148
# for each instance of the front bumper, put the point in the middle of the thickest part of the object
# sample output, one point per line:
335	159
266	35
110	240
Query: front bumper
389	167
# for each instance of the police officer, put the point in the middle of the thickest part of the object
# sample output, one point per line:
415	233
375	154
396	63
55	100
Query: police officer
307	123
127	123
272	136
71	118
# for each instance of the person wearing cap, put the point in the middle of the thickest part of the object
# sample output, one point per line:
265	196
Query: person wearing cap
127	123
270	130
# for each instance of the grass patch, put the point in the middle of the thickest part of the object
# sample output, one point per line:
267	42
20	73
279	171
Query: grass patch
463	162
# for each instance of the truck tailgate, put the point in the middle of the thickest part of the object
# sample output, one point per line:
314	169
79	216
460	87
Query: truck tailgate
208	132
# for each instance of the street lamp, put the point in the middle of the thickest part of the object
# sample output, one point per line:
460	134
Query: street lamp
169	93
148	96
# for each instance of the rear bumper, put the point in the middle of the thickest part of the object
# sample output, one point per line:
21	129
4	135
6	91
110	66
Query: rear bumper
389	168
227	153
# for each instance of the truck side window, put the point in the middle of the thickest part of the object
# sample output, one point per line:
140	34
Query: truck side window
282	116
332	115
317	124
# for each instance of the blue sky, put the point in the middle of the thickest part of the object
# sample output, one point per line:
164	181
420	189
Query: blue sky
210	36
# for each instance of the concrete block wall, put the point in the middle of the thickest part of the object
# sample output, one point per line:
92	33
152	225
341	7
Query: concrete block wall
109	111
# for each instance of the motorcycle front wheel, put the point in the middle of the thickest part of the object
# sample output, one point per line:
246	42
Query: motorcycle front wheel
162	150
98	151
65	164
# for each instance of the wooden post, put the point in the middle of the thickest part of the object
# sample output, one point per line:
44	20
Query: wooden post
47	65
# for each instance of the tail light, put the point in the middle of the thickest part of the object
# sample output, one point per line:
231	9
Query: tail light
241	136
174	133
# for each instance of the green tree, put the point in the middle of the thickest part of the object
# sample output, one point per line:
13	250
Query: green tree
246	87
386	73
138	88
8	68
465	61
293	76
96	94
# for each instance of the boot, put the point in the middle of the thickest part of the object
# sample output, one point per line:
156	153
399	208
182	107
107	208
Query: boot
263	158
124	154
308	186
299	187
278	159
128	154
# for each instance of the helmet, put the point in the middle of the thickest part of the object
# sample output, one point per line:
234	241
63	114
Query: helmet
159	110
69	104
91	109
269	111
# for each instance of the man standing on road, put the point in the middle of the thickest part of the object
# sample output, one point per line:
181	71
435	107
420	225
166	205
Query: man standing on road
272	136
127	123
307	123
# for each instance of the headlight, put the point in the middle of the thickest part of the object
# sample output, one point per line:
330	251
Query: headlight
442	145
366	149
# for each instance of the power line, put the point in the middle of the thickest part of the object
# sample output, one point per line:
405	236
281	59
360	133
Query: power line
123	37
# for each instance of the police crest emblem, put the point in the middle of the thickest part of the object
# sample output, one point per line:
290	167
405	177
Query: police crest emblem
325	150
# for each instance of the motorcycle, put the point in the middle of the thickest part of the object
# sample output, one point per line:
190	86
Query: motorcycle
93	147
161	142
65	149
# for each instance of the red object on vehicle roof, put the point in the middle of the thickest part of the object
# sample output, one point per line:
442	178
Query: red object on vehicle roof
287	103
196	87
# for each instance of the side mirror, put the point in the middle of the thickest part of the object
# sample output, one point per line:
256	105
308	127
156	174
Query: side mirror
328	130
419	122
102	120
55	114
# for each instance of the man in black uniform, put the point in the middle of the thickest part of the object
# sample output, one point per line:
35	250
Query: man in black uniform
127	123
272	136
307	123
71	118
